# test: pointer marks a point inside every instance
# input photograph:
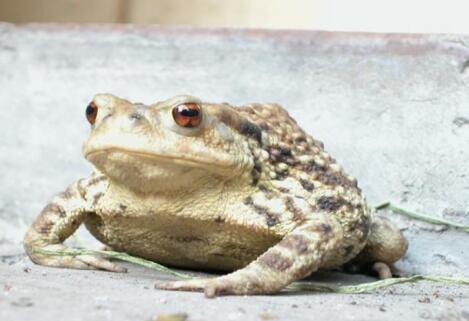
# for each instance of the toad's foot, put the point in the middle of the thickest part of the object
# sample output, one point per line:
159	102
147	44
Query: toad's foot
380	269
383	270
386	271
294	257
212	287
85	262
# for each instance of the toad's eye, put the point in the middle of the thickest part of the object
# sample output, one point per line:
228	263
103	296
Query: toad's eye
91	112
187	115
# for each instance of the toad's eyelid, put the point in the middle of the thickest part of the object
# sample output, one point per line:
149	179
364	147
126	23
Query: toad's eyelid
183	99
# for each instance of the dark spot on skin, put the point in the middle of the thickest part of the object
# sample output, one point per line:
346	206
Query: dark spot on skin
283	190
80	187
313	167
330	203
281	154
267	192
44	225
96	180
337	179
122	207
219	219
255	178
271	218
298	214
301	139
326	176
307	185
285	152
68	193
275	261
348	250
264	126
281	175
274	153
297	243
250	129
326	229
248	201
256	172
357	207
54	208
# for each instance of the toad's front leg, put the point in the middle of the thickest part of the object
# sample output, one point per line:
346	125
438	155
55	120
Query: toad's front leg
57	221
296	256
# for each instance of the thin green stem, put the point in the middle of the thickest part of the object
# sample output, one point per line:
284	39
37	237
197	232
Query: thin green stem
420	216
114	255
371	286
302	285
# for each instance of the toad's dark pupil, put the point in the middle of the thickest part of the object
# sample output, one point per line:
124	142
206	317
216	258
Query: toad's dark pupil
189	112
91	112
187	115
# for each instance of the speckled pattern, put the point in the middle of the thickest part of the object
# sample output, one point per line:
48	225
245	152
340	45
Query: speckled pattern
374	100
221	189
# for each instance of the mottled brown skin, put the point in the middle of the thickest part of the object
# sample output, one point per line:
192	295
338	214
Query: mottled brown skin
246	190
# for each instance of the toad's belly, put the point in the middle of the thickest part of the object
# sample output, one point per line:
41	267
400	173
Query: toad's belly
183	242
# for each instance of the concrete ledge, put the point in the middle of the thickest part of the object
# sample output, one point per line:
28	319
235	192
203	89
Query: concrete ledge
393	109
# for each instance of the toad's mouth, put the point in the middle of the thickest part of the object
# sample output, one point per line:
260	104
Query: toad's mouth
156	158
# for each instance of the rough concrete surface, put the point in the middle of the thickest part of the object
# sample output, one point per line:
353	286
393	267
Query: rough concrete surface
393	109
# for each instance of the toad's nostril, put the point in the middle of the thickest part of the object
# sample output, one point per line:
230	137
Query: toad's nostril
136	116
106	117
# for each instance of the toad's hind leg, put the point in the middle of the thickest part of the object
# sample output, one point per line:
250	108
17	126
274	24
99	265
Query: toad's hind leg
385	245
57	221
297	255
